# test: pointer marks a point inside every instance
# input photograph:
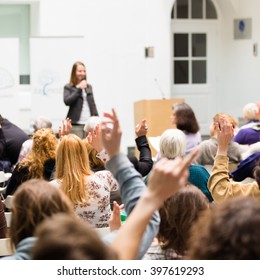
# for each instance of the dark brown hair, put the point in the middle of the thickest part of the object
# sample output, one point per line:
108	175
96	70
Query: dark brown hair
185	118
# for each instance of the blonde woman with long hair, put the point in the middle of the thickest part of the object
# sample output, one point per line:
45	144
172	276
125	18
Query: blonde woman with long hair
88	191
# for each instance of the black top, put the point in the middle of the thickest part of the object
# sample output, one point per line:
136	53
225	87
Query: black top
22	175
11	140
72	97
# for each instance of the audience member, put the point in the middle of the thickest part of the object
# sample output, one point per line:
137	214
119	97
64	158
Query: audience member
208	148
40	122
220	184
230	231
11	140
184	119
178	214
145	162
78	95
250	132
173	144
88	191
39	163
34	201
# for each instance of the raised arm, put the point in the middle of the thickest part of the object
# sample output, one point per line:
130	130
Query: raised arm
141	202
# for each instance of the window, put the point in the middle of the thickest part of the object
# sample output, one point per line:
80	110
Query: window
190	48
194	9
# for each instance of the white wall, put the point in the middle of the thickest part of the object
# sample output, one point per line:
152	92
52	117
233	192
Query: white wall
115	34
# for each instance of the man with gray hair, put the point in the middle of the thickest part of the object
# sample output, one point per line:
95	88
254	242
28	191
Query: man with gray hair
39	123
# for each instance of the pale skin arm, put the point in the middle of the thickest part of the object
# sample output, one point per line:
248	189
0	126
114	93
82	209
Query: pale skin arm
167	177
65	128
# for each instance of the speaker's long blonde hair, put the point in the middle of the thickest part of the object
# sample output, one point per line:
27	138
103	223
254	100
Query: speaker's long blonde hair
72	168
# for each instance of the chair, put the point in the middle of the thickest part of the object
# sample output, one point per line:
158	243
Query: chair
5	249
102	231
8	217
8	201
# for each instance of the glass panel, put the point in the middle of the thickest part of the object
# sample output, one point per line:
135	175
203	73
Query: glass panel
181	72
196	9
181	45
199	45
182	8
199	73
210	10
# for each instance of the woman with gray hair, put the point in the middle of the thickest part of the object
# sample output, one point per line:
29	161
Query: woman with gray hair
173	144
250	132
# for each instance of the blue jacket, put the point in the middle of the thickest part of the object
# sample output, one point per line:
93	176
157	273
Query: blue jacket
23	250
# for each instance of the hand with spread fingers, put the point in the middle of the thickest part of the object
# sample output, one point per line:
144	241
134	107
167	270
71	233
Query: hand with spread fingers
111	133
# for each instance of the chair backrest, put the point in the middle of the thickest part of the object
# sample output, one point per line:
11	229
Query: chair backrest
5	249
102	231
8	217
8	201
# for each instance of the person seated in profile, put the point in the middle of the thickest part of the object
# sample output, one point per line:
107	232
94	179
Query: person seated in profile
250	132
208	148
11	140
230	231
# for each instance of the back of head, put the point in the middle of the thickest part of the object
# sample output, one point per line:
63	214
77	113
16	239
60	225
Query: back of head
172	143
185	118
251	111
72	167
41	122
178	214
219	116
91	123
34	201
63	237
231	231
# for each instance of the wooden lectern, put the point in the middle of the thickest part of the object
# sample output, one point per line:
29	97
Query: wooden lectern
157	112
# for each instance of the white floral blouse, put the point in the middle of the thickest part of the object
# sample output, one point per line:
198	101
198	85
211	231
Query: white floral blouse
97	212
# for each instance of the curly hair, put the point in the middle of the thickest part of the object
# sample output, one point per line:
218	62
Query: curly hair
44	148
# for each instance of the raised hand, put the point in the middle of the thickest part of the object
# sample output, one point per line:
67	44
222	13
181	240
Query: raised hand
115	219
225	133
94	138
65	128
111	133
141	128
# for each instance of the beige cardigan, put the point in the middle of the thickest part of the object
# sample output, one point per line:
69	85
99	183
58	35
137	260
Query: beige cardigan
222	187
